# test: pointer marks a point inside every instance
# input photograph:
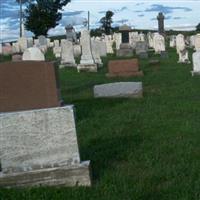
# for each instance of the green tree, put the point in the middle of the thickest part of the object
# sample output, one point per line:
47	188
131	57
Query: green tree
198	27
42	15
107	21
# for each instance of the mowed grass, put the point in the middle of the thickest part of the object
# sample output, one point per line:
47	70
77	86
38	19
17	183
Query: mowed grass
140	149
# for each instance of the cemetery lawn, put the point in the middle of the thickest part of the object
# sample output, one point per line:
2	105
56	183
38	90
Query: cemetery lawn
140	149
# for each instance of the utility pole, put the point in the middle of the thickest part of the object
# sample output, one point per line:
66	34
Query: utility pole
20	3
88	20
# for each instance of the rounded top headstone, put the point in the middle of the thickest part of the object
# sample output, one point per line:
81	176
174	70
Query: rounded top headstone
33	53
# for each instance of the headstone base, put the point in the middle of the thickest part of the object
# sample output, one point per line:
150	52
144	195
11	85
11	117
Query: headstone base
63	65
124	52
87	67
78	175
195	73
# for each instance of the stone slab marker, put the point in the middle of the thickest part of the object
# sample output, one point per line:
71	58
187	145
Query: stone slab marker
67	54
87	61
119	90
28	85
196	63
39	148
124	68
197	42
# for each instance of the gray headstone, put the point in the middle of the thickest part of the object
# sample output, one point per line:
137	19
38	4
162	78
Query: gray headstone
120	89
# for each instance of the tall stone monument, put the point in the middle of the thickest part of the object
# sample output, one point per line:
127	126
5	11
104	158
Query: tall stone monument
87	62
125	47
160	19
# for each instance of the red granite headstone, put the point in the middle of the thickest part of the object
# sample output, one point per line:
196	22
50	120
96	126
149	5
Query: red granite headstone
27	85
124	68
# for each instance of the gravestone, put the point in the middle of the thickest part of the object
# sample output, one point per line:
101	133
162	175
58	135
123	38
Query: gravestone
197	42
183	57
124	68
109	43
67	54
134	38
42	40
172	42
1	50
119	90
118	39
125	49
160	19
77	50
180	43
29	42
96	53
16	57
192	41
196	63
150	39
56	43
15	47
40	148
7	49
33	54
57	52
27	85
70	33
23	44
87	61
141	49
159	43
142	37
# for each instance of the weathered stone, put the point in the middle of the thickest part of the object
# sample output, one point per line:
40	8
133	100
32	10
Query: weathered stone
39	147
180	43
15	47
77	50
57	51
118	90
16	57
67	54
197	42
96	53
159	43
183	56
124	68
27	85
33	54
141	48
42	40
172	42
196	63
125	50
87	62
109	44
23	44
29	42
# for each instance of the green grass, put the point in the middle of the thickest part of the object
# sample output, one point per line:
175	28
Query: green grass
140	149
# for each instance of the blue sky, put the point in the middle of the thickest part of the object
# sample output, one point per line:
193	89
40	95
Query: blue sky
136	13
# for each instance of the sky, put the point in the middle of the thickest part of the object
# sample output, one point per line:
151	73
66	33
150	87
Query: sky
140	14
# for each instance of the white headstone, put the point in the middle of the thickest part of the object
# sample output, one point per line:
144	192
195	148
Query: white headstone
33	53
197	42
109	43
159	43
1	50
42	40
180	43
56	43
183	57
57	52
150	39
67	54
196	61
77	50
39	147
96	52
172	42
87	61
118	39
15	47
23	44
